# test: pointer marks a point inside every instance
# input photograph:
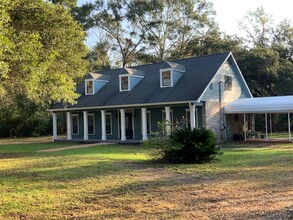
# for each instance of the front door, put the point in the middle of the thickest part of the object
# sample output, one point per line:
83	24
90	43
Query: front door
128	125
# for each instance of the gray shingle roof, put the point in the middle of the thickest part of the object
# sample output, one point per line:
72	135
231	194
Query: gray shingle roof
199	72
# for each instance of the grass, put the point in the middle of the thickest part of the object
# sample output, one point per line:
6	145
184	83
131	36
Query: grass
122	182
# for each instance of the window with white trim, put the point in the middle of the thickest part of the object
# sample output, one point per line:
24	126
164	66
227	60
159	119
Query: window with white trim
228	83
91	124
75	124
89	87
108	123
166	78
124	83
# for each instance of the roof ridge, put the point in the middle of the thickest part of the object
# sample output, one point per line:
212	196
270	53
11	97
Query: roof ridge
162	62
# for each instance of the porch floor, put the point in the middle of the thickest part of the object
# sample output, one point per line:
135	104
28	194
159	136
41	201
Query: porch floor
99	141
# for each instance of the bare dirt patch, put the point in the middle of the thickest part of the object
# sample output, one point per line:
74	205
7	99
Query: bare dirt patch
160	193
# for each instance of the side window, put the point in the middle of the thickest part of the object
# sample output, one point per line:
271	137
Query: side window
108	123
89	87
124	83
91	124
166	78
75	124
228	83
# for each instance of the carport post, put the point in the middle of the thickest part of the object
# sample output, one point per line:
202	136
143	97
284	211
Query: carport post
289	126
244	127
266	120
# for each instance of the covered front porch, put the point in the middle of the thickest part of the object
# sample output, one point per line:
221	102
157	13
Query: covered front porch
128	124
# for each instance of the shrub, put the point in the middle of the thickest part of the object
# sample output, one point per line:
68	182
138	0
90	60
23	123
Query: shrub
186	146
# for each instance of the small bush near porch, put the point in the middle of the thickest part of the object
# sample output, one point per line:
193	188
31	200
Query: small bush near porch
122	182
184	145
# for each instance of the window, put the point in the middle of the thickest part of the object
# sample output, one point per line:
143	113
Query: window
228	83
89	89
108	123
166	78
124	83
75	124
149	123
91	124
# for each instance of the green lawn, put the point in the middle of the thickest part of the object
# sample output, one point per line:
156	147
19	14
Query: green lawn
122	182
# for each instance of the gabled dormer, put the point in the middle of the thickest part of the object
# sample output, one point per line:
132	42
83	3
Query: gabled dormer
94	82
170	73
128	78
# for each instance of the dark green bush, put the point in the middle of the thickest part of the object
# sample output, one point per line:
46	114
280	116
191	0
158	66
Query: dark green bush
186	146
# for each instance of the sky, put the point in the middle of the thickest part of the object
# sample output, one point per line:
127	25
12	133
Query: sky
229	12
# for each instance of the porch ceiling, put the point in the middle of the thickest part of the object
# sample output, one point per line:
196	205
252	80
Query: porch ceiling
276	104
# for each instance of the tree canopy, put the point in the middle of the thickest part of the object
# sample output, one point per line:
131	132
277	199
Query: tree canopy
45	52
41	59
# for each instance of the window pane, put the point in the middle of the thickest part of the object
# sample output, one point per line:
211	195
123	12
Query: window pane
124	83
228	83
91	124
108	124
89	87
148	122
74	124
166	78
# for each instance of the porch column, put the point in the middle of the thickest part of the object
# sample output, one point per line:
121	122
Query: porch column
55	135
69	126
192	115
122	117
85	126
289	127
103	119
144	124
168	120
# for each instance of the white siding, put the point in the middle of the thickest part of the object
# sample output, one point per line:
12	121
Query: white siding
238	86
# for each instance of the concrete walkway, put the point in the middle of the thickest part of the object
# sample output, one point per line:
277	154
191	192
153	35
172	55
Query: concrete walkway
73	147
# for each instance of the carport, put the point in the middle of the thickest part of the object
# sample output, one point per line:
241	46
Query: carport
262	105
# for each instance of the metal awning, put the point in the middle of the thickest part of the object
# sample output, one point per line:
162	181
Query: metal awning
262	105
275	104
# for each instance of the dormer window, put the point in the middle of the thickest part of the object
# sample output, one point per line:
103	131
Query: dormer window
129	78
124	83
166	78
170	73
89	90
94	82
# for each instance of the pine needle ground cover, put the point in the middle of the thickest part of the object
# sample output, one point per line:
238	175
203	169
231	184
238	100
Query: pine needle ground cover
122	182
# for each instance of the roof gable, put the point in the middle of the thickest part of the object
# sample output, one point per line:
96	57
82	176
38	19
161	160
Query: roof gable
172	65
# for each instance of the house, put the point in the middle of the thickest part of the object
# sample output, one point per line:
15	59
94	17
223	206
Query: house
127	103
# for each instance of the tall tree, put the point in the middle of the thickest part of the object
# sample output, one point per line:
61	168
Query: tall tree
171	25
258	26
213	42
41	57
283	40
125	34
47	52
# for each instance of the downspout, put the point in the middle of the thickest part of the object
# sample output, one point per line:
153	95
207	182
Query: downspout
220	108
